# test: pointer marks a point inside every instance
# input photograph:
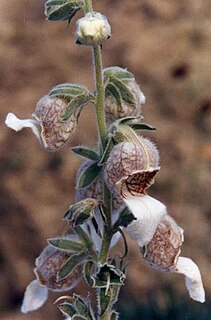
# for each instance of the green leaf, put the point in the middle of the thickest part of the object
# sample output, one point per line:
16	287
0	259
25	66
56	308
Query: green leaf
108	148
88	175
75	95
140	126
66	245
77	317
111	89
105	300
125	218
84	237
70	265
56	10
68	89
75	106
67	309
126	94
88	271
86	153
118	72
83	307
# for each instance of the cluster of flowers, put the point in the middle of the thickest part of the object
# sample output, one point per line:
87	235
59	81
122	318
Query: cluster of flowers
128	170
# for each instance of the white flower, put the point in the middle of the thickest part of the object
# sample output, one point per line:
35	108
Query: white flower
160	239
192	278
148	212
34	297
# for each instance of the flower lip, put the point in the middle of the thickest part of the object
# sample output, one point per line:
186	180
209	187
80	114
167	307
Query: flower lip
34	297
148	213
192	278
137	182
17	124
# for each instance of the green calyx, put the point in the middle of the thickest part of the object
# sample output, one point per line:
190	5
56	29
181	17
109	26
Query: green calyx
76	97
56	10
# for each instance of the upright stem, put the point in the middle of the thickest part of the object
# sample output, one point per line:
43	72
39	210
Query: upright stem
99	94
88	6
100	114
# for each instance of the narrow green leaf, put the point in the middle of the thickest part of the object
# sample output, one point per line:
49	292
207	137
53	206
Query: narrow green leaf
118	72
67	309
88	270
70	264
126	95
81	307
75	105
83	237
109	146
67	245
56	10
77	317
140	126
88	175
111	89
86	153
105	300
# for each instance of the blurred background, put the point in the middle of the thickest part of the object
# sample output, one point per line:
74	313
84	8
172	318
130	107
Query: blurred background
167	45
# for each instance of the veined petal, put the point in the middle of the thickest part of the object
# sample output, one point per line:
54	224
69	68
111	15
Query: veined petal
193	279
18	124
148	212
34	297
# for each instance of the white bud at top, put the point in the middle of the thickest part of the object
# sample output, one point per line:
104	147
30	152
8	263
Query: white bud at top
93	29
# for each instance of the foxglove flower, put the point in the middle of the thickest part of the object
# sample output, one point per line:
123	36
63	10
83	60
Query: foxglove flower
47	267
160	240
93	29
131	167
48	126
123	97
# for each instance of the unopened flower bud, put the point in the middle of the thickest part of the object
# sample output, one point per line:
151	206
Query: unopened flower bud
93	29
131	167
48	265
123	97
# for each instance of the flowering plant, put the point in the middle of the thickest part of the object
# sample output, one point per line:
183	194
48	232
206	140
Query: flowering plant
111	187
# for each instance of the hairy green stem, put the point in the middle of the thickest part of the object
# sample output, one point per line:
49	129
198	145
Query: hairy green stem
88	6
100	112
102	128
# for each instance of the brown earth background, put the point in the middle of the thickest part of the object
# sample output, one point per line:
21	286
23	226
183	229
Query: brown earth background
167	45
